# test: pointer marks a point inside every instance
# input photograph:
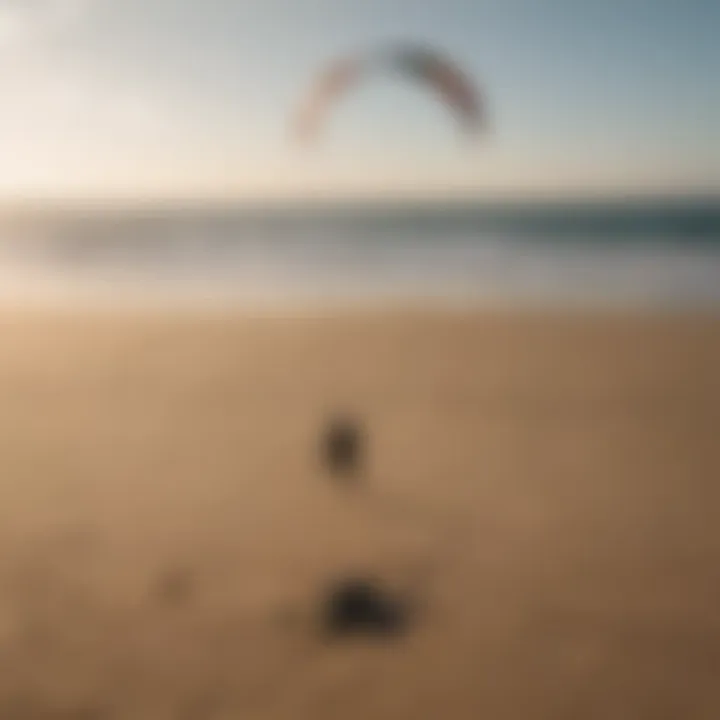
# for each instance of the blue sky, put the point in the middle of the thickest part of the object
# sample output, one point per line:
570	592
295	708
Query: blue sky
191	97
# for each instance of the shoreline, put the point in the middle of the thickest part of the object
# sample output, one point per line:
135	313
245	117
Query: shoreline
334	309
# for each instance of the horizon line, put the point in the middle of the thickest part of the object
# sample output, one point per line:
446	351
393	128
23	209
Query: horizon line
129	202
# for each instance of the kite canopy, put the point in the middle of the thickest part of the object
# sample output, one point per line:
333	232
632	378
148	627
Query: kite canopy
427	66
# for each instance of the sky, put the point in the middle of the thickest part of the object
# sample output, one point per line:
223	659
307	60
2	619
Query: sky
191	98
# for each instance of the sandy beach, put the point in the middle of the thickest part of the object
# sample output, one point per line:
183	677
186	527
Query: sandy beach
167	525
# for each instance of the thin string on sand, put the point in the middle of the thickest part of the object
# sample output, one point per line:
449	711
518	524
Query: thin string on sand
448	529
343	448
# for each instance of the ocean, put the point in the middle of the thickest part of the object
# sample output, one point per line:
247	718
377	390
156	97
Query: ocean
654	254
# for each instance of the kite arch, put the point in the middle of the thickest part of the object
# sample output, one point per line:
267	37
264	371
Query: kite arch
433	69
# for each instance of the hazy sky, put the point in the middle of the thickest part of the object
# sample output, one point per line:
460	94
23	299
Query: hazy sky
191	97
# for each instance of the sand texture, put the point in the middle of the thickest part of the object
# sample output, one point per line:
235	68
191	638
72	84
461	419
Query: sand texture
549	487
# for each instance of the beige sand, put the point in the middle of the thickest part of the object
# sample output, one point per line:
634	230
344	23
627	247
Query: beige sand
166	523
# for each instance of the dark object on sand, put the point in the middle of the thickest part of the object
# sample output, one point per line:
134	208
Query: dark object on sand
342	448
174	586
360	607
